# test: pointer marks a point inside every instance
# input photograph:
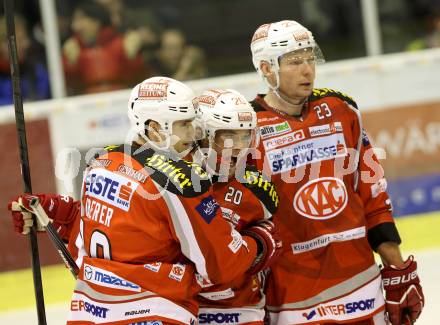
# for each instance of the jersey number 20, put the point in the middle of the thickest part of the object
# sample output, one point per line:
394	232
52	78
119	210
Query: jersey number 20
233	195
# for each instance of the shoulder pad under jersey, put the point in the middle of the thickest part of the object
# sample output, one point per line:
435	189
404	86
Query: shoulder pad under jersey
256	105
262	188
178	176
104	151
114	147
92	162
319	93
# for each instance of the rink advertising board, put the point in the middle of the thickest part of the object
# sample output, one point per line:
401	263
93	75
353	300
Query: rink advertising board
410	137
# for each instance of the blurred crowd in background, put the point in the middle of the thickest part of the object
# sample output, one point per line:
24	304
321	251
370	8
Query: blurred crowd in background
112	44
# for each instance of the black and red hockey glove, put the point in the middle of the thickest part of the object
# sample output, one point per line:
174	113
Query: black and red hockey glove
404	297
268	242
61	210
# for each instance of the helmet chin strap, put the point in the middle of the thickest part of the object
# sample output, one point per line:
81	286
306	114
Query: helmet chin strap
209	159
157	145
204	157
165	146
183	153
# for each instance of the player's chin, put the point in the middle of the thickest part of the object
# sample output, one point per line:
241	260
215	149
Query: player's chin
227	168
232	166
231	172
182	146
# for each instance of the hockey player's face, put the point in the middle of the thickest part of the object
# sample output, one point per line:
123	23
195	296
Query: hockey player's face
297	73
228	144
235	140
183	135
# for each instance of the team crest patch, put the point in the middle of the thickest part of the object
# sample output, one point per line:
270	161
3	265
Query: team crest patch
208	208
177	272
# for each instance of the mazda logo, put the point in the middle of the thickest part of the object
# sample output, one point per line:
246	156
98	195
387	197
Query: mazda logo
88	272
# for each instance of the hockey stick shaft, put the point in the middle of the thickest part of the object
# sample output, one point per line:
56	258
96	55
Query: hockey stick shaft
24	160
54	237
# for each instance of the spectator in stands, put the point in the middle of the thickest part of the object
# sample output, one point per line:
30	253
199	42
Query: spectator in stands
179	60
131	16
115	9
432	39
142	29
98	58
64	18
34	76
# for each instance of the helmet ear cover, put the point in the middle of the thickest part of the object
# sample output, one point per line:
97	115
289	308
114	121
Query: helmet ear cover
152	129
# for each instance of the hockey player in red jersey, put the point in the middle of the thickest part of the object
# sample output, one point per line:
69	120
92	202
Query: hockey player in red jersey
334	209
148	221
229	125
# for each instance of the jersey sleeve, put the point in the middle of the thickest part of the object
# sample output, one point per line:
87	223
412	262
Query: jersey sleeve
262	188
74	236
218	251
372	187
69	213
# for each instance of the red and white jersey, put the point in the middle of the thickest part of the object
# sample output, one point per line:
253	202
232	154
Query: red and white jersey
243	202
333	206
148	225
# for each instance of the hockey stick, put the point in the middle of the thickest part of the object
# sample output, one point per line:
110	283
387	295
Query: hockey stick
24	160
54	237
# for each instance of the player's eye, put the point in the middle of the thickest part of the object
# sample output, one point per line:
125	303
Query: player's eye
296	61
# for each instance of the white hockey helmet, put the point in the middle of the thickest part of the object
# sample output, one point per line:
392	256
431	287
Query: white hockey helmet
271	41
160	99
225	109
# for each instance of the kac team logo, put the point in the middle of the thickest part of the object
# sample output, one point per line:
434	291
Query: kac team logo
321	199
177	272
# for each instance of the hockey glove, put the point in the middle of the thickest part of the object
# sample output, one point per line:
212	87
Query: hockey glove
403	294
61	210
268	242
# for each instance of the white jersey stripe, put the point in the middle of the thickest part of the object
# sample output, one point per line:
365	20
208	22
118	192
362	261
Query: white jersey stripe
88	305
365	301
339	290
185	233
